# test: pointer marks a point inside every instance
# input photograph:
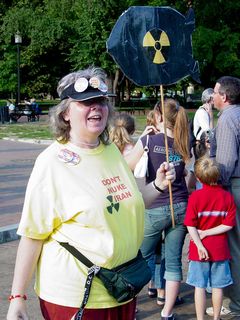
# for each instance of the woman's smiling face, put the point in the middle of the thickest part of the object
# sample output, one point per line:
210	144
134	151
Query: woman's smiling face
87	119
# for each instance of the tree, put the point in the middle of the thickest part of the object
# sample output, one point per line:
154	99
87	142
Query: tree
216	40
94	22
63	36
44	28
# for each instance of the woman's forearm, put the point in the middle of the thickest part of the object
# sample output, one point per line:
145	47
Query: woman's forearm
134	155
165	174
27	257
149	193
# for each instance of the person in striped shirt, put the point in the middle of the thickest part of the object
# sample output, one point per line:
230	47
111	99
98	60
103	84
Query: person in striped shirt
210	215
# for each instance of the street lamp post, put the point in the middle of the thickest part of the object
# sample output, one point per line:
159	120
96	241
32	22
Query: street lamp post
18	41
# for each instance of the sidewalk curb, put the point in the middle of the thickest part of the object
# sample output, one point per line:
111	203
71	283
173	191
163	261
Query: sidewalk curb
36	141
9	233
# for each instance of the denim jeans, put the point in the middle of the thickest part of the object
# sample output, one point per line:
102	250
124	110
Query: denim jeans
157	265
157	220
203	273
160	268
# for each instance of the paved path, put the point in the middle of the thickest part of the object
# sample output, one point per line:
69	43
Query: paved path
147	308
16	162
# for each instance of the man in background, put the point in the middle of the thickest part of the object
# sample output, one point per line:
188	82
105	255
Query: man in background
226	98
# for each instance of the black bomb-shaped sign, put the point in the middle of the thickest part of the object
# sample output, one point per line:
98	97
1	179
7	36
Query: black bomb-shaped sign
153	45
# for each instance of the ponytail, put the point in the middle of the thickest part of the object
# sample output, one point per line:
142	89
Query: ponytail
120	137
120	132
181	134
177	121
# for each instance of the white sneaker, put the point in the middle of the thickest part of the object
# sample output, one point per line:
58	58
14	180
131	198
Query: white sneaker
224	311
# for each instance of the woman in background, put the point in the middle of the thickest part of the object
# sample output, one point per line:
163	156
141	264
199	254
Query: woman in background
158	214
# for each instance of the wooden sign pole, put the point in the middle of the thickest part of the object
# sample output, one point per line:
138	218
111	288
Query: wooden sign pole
167	155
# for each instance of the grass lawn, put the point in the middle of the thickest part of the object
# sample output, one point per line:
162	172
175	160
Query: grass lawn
30	130
40	130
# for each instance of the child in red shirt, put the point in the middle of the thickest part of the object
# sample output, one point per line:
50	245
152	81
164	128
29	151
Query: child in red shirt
210	214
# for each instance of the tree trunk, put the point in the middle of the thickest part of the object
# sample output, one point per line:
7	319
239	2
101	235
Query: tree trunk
128	91
115	88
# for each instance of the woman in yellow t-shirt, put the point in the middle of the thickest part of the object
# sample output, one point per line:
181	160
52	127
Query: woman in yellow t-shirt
81	191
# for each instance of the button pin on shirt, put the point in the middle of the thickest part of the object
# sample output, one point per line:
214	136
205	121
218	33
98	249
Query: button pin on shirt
69	157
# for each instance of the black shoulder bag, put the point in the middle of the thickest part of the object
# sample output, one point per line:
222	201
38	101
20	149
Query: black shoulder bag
123	282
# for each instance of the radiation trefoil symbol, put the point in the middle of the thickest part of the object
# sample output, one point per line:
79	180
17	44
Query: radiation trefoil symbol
156	42
112	205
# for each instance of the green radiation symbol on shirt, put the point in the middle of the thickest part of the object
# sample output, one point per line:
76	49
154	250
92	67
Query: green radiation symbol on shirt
112	205
157	45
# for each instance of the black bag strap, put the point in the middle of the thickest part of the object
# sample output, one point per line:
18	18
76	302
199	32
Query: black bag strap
146	149
77	254
199	129
92	271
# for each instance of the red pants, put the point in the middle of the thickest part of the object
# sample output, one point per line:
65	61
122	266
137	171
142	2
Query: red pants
51	311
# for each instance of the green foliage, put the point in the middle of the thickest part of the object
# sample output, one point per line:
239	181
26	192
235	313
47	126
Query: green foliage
93	24
216	41
62	36
44	28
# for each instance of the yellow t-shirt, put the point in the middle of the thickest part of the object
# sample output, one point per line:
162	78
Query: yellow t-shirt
94	205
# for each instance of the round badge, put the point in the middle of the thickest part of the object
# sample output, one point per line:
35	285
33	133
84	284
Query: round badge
68	157
75	160
94	82
65	155
103	87
81	84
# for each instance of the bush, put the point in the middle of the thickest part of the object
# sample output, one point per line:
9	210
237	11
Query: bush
136	104
45	105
